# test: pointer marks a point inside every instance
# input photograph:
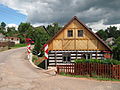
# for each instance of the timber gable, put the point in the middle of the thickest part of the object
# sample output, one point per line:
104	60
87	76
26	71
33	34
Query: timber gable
88	41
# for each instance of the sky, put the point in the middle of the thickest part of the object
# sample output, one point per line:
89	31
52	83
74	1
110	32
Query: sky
11	16
96	14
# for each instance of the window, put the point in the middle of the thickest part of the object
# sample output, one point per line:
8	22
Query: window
83	56
66	57
80	33
70	33
87	56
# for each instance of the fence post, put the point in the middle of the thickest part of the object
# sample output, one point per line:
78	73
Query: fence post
112	71
90	64
58	70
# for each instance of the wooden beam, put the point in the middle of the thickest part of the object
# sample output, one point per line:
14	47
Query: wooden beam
96	54
97	44
75	39
74	28
63	40
55	58
76	54
76	49
87	45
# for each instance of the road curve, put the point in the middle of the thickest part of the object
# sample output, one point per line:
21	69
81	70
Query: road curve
16	73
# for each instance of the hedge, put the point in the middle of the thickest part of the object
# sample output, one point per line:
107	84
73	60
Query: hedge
107	61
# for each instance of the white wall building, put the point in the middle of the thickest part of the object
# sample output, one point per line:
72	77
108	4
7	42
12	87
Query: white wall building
1	37
12	39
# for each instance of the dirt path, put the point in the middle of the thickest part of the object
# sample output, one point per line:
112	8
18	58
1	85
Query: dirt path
16	73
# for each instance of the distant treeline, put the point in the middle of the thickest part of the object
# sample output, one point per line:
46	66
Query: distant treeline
41	34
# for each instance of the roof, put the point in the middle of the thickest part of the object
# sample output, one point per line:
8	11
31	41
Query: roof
110	39
11	37
75	18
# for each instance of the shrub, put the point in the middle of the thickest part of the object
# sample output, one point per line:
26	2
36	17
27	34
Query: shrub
34	58
107	61
80	60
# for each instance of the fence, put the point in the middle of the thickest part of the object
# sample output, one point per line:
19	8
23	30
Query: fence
9	44
91	69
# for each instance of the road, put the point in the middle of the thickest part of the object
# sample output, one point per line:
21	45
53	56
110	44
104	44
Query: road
16	73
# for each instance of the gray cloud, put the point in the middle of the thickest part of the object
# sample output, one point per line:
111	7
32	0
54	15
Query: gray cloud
48	11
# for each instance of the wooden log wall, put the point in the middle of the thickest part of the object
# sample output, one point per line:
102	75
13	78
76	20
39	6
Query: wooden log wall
56	57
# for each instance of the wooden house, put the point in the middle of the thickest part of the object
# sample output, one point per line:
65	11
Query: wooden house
75	41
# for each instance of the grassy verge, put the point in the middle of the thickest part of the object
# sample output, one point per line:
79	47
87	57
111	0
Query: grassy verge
104	79
39	60
19	45
3	49
94	77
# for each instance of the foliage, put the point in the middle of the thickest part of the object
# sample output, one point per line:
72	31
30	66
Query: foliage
24	27
109	32
116	49
25	31
40	36
102	34
53	29
11	31
2	27
112	31
34	58
107	61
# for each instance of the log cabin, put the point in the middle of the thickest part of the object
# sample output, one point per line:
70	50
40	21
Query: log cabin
75	41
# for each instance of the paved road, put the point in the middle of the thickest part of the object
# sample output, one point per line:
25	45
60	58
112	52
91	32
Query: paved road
16	73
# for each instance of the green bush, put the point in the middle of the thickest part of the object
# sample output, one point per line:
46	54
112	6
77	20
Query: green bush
107	61
34	58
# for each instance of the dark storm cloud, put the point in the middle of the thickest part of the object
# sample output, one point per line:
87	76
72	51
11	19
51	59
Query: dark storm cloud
48	11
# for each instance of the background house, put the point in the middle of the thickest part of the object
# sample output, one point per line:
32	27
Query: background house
1	37
16	40
110	41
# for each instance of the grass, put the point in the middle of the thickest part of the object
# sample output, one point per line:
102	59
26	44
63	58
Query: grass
19	45
15	46
37	63
104	79
94	77
34	58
